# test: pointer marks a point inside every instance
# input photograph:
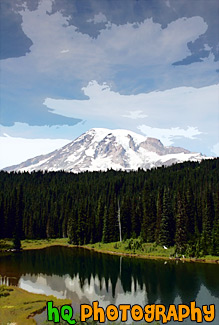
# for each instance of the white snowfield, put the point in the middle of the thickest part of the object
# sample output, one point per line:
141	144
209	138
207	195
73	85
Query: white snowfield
102	149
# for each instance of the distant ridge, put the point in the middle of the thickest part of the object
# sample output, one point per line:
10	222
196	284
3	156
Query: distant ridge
102	149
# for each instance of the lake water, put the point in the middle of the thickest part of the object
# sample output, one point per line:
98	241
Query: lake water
85	276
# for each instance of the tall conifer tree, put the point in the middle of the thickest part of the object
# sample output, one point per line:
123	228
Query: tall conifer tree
167	222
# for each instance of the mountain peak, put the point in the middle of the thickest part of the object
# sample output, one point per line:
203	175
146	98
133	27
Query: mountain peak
102	149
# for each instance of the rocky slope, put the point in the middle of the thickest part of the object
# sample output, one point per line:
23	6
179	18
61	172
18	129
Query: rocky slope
102	149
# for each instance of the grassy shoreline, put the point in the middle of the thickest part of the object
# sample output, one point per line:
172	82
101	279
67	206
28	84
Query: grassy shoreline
18	306
149	250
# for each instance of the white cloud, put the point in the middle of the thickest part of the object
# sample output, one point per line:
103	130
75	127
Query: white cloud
90	58
59	132
161	107
64	51
172	115
167	2
215	149
99	18
17	150
65	132
167	136
135	115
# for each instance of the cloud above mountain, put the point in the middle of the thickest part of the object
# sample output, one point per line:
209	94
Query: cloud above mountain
156	109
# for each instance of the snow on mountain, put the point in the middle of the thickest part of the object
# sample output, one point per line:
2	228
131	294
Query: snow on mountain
102	149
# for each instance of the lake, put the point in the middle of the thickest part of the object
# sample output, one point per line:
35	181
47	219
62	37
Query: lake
85	276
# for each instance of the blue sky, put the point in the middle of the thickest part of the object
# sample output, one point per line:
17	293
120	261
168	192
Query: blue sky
150	66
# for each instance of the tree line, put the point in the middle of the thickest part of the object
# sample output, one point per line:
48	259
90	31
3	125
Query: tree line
176	205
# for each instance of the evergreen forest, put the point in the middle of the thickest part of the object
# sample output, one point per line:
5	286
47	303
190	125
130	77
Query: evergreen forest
176	205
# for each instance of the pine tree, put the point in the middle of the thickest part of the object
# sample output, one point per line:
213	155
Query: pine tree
125	213
136	218
181	230
105	235
146	213
159	217
190	211
81	224
167	223
72	229
2	220
208	222
215	232
110	227
113	221
99	217
16	242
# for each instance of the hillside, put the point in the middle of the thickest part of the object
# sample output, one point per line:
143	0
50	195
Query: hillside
177	205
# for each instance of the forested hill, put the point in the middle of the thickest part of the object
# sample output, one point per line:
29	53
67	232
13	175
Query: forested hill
173	205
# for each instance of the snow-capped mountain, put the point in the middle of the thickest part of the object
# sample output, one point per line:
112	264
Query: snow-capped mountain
102	149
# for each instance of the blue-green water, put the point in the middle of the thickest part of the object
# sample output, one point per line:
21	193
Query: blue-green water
85	276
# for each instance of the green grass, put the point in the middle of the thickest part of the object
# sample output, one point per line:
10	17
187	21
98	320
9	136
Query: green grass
134	247
212	257
16	305
6	244
130	247
42	243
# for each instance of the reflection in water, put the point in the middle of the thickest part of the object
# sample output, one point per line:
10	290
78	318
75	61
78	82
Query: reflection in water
85	276
90	292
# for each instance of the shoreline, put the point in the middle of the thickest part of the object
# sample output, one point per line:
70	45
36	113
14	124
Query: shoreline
153	257
26	305
53	242
41	244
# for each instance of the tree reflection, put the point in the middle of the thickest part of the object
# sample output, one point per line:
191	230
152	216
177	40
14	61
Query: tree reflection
161	281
